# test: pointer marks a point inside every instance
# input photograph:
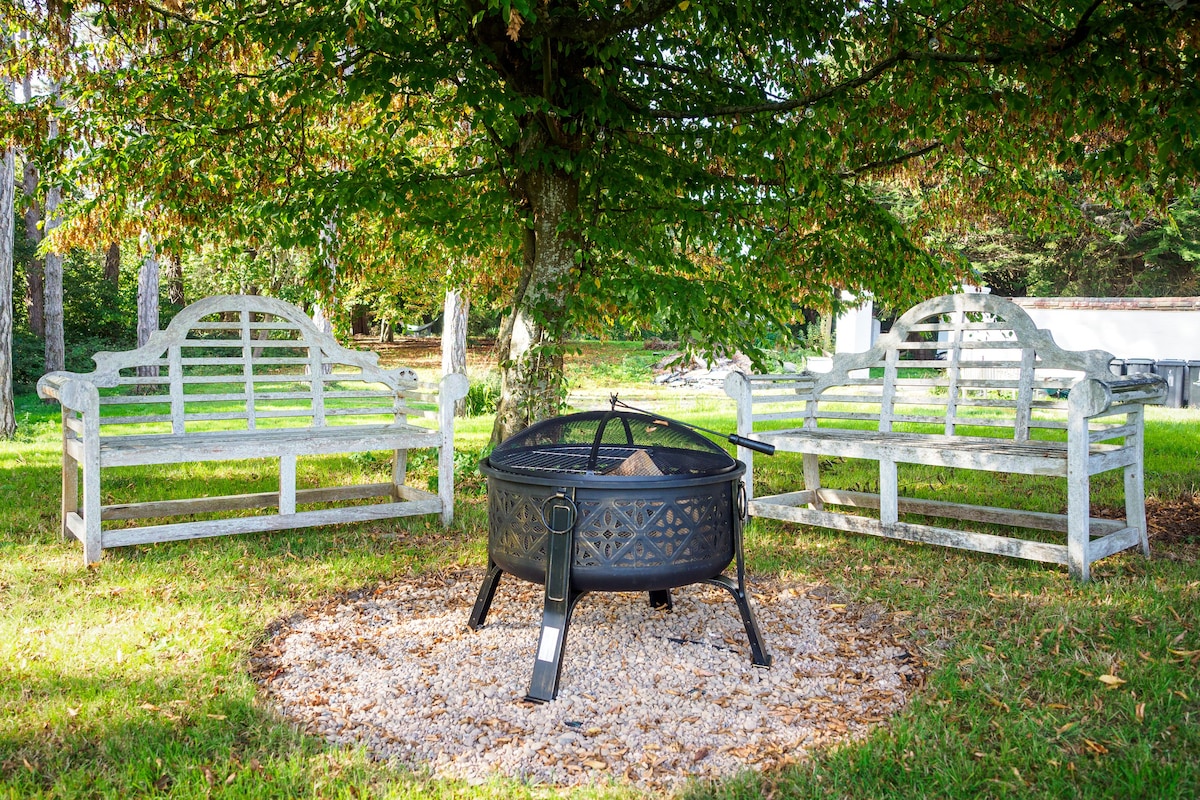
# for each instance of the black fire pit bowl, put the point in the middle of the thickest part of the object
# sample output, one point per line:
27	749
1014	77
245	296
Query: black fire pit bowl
611	501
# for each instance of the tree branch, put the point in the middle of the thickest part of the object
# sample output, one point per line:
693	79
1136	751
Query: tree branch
891	162
1047	48
597	31
786	105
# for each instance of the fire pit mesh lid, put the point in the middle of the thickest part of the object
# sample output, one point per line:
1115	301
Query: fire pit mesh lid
618	443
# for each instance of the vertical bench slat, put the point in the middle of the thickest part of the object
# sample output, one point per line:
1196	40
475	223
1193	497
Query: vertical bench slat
316	377
888	397
175	375
248	370
1024	413
955	353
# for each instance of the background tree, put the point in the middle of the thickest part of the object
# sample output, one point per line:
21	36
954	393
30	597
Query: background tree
35	274
1114	255
112	264
711	167
8	419
52	277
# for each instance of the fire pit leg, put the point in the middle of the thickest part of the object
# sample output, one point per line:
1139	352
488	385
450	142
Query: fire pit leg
483	602
560	602
758	653
661	598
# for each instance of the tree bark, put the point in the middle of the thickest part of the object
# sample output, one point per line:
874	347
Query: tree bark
147	302
530	344
53	288
8	417
35	281
112	264
174	275
454	339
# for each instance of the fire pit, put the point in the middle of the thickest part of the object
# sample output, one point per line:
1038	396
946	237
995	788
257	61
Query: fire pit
612	501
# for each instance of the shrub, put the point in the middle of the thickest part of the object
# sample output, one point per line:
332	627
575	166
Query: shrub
483	396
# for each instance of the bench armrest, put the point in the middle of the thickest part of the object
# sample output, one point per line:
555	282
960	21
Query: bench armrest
1092	397
71	390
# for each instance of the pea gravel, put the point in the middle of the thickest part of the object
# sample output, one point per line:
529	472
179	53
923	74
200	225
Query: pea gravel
648	698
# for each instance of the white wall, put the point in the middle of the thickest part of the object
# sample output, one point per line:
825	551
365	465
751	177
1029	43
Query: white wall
856	329
1155	328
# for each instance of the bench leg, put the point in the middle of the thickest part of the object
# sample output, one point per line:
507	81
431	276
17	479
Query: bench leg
812	481
446	482
399	471
92	549
1079	510
1135	504
70	485
287	484
1135	486
889	491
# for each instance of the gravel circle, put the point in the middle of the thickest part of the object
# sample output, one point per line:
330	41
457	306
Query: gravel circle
648	697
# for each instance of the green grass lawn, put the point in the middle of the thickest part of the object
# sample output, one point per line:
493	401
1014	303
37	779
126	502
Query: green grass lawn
130	679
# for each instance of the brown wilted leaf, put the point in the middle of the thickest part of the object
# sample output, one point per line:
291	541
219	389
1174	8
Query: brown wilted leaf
514	24
1111	680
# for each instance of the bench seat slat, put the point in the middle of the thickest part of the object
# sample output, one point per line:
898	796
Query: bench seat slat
141	449
993	455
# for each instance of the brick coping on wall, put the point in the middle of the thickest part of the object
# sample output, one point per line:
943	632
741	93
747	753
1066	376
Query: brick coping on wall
1111	303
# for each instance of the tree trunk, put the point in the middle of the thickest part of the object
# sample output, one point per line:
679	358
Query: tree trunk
174	274
454	339
530	344
324	307
53	289
321	318
147	302
112	264
8	417
35	282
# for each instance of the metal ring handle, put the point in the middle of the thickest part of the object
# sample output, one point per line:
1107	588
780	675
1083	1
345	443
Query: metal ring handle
741	504
568	503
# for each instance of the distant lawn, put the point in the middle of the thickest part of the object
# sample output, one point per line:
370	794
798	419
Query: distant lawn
129	679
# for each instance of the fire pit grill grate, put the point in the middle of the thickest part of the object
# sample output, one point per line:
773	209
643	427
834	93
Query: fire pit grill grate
588	460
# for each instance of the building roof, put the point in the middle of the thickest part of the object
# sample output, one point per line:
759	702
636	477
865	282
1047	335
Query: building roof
1111	303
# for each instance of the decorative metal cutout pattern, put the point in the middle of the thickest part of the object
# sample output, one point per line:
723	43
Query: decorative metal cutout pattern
620	532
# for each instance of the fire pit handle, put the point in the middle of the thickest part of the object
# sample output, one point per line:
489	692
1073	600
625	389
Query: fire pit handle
741	505
567	521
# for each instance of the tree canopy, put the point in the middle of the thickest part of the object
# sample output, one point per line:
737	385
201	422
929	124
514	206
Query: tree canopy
711	167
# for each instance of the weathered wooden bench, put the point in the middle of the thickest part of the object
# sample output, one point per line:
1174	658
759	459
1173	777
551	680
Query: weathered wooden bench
962	381
235	378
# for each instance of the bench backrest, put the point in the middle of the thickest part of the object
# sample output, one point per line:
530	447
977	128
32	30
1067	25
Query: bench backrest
245	362
951	362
